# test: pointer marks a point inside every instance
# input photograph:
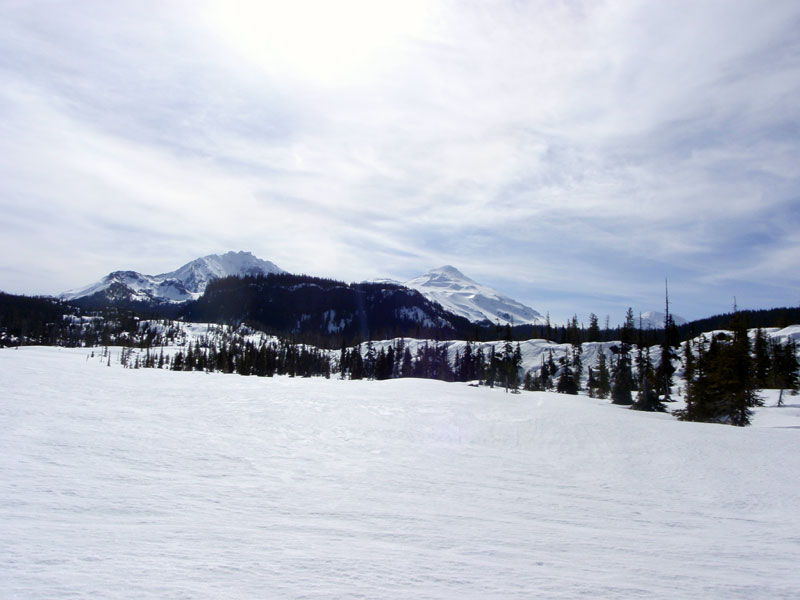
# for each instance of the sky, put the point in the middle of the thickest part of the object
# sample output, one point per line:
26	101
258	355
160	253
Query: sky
572	155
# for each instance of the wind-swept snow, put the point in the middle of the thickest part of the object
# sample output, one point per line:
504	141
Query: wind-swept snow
146	483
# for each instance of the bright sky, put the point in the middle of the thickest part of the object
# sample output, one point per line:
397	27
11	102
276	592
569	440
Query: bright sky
570	154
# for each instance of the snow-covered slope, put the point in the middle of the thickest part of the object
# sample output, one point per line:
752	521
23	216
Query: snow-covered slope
143	483
186	283
462	296
653	319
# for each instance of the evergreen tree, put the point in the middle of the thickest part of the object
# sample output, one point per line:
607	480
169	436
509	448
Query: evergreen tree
591	383
723	389
369	361
689	362
343	359
593	332
622	384
356	364
665	369
566	380
544	373
784	368
552	369
647	398
407	368
492	364
603	377
761	352
514	367
577	365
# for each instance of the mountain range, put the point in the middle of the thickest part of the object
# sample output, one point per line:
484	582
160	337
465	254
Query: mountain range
447	286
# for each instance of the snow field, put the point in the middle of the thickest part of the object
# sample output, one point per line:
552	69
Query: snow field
127	483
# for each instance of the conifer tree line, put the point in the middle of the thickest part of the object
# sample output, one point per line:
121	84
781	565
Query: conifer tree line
490	366
282	357
26	320
722	372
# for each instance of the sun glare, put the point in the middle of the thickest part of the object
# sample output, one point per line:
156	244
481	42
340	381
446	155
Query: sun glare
322	41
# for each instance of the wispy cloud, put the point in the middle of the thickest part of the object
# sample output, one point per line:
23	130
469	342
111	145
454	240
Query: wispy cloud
571	154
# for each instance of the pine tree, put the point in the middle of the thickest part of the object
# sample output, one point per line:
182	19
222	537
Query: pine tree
591	383
369	361
527	382
689	362
593	332
761	352
464	369
784	368
508	369
723	389
647	398
566	380
577	365
407	368
665	369
356	363
544	373
343	362
493	362
622	384
603	377
551	365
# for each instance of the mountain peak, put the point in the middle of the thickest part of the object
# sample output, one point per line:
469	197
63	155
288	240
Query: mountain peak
653	319
185	283
450	272
465	297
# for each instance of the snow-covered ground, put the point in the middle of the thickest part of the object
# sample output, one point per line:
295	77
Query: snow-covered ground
121	483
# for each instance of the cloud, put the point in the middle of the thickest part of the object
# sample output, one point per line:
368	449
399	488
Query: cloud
567	153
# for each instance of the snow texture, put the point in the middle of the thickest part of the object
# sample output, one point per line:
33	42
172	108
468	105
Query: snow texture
124	483
464	297
186	283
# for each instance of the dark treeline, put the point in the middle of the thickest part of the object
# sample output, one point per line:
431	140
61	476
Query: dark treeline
324	312
724	373
493	365
234	353
328	313
243	357
773	317
31	320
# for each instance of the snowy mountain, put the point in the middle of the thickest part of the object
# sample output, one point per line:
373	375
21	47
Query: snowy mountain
464	297
186	283
653	319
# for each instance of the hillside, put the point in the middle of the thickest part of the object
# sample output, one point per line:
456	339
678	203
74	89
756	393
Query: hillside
324	311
